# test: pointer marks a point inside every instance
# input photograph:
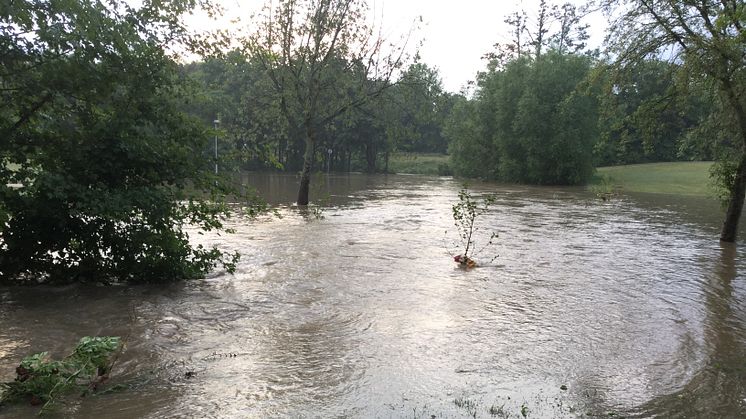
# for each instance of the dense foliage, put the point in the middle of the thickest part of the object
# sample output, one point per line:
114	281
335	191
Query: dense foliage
534	117
407	116
645	116
41	380
96	156
535	123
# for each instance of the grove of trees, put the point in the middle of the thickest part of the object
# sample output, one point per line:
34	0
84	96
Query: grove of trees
546	110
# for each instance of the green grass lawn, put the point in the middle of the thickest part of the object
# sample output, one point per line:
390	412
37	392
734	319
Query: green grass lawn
418	163
679	178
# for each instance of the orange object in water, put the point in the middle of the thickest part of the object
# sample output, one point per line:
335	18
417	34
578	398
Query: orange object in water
464	261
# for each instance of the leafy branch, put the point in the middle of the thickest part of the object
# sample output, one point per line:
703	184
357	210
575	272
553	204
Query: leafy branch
465	214
41	380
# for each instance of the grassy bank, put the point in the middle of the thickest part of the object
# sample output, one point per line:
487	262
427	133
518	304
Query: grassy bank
679	178
419	163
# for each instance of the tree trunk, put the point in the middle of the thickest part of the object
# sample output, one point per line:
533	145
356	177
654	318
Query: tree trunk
386	170
305	174
738	188
370	156
735	203
281	152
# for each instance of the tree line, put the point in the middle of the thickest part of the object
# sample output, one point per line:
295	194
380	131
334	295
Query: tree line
546	110
405	116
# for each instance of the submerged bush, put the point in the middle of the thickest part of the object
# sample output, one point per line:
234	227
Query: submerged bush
101	169
40	380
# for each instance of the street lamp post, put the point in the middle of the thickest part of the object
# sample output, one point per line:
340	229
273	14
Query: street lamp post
329	161
215	124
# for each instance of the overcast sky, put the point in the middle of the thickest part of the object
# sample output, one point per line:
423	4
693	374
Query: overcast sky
456	33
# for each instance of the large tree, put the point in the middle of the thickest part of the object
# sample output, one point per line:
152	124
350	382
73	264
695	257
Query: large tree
95	156
531	121
304	46
467	129
708	39
545	123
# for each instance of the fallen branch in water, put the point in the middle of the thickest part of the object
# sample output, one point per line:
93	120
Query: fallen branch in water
40	380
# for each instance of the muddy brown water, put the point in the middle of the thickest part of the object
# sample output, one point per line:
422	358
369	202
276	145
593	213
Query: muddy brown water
631	305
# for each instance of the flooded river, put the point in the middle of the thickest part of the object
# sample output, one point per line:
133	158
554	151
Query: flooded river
628	307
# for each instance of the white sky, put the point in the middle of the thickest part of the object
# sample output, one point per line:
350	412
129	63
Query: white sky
456	33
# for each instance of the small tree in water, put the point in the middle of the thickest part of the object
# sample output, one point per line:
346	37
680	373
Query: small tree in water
465	214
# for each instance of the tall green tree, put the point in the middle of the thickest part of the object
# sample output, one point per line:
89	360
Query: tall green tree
533	122
471	149
95	157
546	125
708	38
304	46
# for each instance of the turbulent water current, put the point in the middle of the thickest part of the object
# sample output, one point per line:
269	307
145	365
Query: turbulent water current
593	308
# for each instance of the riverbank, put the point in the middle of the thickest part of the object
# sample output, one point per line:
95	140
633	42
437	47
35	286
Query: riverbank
673	178
420	164
677	178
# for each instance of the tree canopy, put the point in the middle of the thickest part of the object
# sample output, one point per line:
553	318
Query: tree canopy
536	124
97	157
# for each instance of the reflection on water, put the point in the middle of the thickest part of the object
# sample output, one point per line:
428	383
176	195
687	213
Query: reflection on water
719	388
630	304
